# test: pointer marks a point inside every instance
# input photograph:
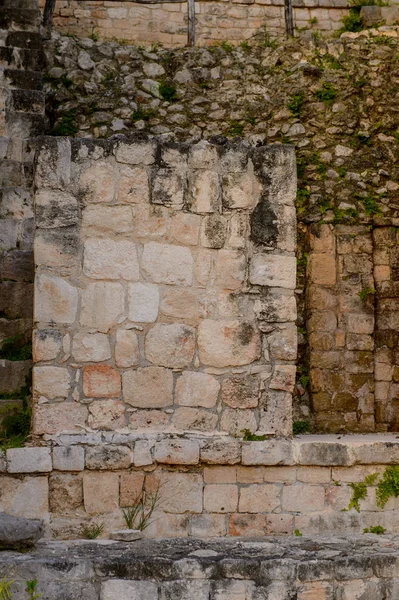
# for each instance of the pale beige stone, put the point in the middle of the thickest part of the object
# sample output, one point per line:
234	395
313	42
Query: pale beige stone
184	229
29	460
168	188
238	230
54	418
269	452
235	421
182	492
150	222
55	208
203	263
179	302
240	190
283	343
109	259
101	492
68	458
91	347
205	191
230	267
273	270
197	389
56	300
203	155
195	419
47	344
164	263
130	488
177	452
52	382
103	305
107	415
221	498
104	220
54	250
228	343
140	153
127	352
322	269
258	498
220	450
241	392
101	381
170	345
27	497
133	185
283	378
206	526
143	302
65	493
168	526
148	387
108	457
97	182
276	414
303	498
142	454
358	323
276	307
153	420
222	474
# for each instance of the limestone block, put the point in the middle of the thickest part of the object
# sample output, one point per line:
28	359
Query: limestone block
220	474
203	155
97	182
127	352
65	493
322	269
259	498
227	589
184	229
168	264
181	492
63	416
247	525
197	389
150	222
230	269
213	231
143	302
205	191
322	239
142	454
205	526
276	414
177	452
54	208
273	270
221	498
53	168
52	382
105	220
241	392
91	347
228	343
220	451
27	497
103	305
128	590
283	343
276	308
101	381
108	457
283	378
56	247
133	185
131	487
56	300
269	452
109	259
194	419
151	420
47	344
107	415
303	498
148	387
203	263
170	345
100	492
240	190
68	458
358	323
180	302
29	460
235	421
138	153
238	230
168	188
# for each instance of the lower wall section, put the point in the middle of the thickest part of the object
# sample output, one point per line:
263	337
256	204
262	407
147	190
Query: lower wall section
284	485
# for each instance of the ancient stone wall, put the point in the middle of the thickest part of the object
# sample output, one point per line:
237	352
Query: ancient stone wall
165	278
166	22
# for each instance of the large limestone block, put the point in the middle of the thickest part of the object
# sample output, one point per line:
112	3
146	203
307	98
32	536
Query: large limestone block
240	190
230	269
143	302
140	153
52	382
16	532
179	302
105	220
97	182
128	590
108	458
168	188
133	185
273	270
56	300
66	493
197	389
100	492
228	343
69	458
127	353
181	492
103	305
101	381
91	347
205	191
47	344
107	415
170	345
148	387
54	418
195	419
26	497
169	264
109	259
54	208
29	460
177	452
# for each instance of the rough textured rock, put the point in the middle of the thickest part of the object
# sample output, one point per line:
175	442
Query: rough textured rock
16	532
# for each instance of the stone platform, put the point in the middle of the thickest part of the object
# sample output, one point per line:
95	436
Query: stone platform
273	568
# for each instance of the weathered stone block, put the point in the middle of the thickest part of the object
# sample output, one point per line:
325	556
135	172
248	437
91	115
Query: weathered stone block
103	305
213	231
54	208
65	493
148	387
247	525
276	308
236	421
240	190
108	457
269	452
228	343
322	269
52	382
230	269
140	153
273	270
101	381
27	497
93	347
68	458
128	590
205	526
221	498
143	302
181	303
220	451
184	229
182	492
133	185
303	498
100	492
107	415
63	416
205	191
168	188
197	389
97	182
56	300
241	392
127	352
105	220
283	378
177	452
142	454
186	418
131	488
259	498
170	345
163	263
29	460
47	344
109	259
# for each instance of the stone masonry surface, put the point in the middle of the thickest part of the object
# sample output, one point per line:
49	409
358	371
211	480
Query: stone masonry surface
158	302
309	568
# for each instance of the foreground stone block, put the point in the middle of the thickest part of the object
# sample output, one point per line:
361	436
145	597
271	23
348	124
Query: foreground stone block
109	259
108	458
197	389
273	270
101	492
170	345
177	452
63	416
93	347
101	381
56	300
16	532
29	460
27	497
51	382
149	387
68	458
103	305
168	264
228	343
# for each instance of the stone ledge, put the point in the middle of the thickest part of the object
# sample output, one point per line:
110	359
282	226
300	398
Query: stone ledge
125	450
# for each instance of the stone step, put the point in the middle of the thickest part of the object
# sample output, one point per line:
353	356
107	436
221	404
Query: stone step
23	80
20	19
24	39
23	58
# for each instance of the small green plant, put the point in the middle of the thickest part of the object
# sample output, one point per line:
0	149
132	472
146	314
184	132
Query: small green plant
235	128
313	21
168	91
296	103
5	589
92	531
388	486
142	114
31	586
300	427
139	515
246	46
327	94
371	205
67	124
16	348
248	436
227	47
377	529
297	533
352	21
94	35
342	172
360	491
365	293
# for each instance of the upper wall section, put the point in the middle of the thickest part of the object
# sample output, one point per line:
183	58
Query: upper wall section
165	278
166	22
